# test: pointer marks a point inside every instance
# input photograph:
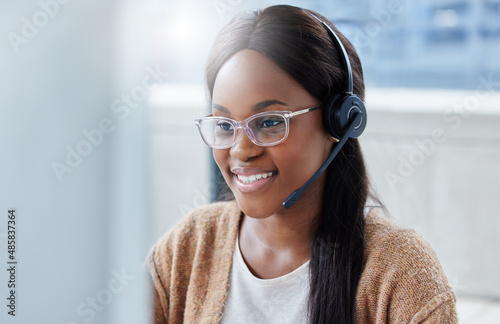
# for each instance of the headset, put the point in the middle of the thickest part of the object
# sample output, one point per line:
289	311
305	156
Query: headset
344	117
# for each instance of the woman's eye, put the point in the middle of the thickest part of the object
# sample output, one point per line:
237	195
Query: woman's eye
270	123
225	126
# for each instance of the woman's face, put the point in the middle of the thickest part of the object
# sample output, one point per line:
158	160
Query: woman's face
249	83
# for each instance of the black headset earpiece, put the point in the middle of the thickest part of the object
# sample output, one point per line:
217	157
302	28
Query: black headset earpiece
340	111
344	117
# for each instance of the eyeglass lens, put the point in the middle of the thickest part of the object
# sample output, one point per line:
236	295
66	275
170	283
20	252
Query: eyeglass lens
264	130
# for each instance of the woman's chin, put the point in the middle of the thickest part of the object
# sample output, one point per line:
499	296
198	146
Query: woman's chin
255	209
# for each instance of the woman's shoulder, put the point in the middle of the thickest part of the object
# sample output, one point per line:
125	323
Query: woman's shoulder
195	253
198	237
394	241
203	224
403	279
392	246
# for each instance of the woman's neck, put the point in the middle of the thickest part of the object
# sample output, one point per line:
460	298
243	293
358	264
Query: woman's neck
278	244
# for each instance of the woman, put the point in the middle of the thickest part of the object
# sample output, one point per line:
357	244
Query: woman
328	258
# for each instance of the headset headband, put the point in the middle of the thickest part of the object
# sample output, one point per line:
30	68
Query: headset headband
343	52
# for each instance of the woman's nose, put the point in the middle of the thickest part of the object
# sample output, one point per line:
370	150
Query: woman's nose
244	149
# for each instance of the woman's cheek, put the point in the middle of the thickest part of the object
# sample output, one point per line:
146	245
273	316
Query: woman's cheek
221	158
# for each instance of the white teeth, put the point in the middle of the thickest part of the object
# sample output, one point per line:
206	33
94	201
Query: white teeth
254	177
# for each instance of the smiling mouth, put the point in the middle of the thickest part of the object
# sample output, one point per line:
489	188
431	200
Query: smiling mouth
254	177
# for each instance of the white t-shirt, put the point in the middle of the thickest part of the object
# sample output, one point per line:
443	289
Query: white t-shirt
254	300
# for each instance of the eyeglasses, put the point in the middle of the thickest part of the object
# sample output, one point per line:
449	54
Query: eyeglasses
263	129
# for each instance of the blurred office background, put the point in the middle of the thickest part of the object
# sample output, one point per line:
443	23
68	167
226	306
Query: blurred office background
100	155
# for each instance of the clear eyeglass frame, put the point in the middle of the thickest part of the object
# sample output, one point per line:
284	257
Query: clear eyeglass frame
287	115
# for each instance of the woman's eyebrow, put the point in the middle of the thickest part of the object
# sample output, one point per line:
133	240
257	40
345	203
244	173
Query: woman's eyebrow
257	107
220	108
264	104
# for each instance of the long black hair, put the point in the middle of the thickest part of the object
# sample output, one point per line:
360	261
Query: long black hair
301	46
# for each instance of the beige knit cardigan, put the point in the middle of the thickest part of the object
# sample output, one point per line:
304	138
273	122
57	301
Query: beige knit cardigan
402	280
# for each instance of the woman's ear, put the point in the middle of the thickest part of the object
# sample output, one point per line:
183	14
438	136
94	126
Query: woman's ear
333	139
